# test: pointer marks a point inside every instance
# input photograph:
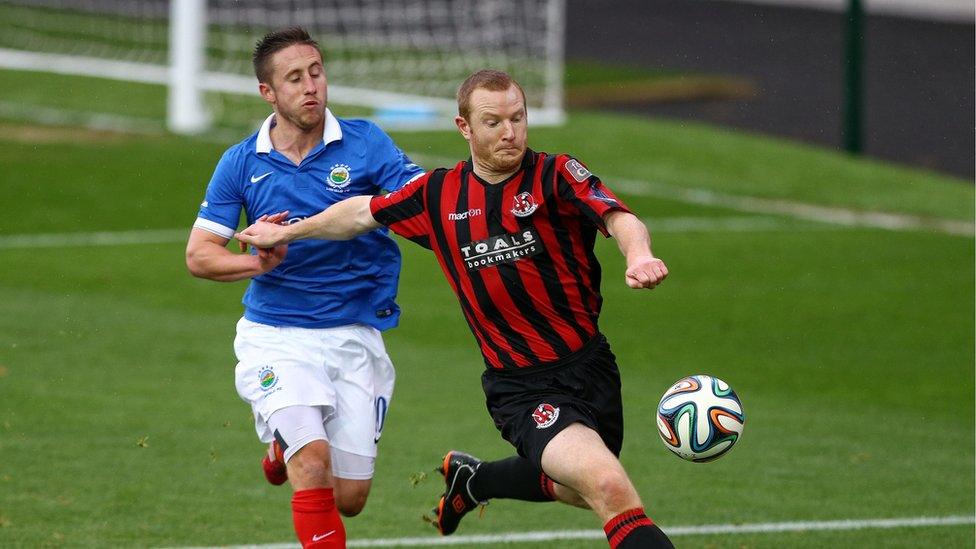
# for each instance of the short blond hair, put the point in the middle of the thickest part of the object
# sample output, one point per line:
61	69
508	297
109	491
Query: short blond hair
489	79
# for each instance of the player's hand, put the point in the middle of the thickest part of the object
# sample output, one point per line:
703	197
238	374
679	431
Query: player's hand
262	235
276	218
645	272
269	258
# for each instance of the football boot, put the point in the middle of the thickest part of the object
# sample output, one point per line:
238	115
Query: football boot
273	465
458	469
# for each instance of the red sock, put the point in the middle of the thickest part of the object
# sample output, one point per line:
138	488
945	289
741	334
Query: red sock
317	521
621	526
547	486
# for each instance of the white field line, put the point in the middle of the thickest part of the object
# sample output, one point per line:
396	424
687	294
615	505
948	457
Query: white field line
92	121
732	224
168	236
769	206
102	238
754	205
676	531
823	214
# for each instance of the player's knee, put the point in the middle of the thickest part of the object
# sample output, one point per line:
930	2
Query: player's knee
311	466
615	490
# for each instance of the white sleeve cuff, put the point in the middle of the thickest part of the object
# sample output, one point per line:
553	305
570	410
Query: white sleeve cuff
213	227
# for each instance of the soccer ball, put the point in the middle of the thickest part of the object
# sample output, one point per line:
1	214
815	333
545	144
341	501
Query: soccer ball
700	418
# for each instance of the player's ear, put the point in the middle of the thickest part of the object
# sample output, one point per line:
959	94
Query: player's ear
267	92
463	127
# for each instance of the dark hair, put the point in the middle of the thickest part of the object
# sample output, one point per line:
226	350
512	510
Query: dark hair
489	79
272	43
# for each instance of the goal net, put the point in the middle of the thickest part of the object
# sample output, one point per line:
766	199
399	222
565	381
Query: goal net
402	60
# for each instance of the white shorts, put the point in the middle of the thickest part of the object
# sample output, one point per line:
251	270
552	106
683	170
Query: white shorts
296	426
343	371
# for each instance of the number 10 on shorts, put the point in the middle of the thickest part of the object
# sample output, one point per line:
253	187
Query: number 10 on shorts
381	407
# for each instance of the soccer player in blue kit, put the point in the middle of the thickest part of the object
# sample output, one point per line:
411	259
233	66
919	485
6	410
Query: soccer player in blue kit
311	359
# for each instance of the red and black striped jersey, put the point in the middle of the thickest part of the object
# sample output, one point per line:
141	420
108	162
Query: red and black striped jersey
518	254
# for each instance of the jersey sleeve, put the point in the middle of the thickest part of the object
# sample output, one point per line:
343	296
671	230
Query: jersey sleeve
585	191
220	210
404	211
393	168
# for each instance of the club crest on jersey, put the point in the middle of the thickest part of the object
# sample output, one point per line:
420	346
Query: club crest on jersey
267	378
578	171
339	178
545	415
524	205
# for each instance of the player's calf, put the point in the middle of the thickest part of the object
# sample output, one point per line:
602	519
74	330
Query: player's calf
471	482
351	495
314	511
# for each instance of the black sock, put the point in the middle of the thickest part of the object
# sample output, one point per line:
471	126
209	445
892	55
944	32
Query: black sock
513	478
646	537
633	530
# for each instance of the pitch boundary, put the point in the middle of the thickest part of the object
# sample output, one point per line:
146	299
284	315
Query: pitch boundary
770	206
755	205
675	531
170	236
90	239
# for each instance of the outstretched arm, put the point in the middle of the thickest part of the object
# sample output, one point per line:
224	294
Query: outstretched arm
643	269
341	221
208	257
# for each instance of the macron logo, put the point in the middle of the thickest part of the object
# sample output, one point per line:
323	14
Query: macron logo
256	178
320	537
463	215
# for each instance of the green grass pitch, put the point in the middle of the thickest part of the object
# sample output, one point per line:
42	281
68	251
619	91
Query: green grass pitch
852	349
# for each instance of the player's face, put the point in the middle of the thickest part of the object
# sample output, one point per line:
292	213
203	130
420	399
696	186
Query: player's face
496	130
298	88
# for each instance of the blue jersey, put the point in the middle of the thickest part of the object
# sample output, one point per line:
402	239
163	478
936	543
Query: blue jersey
321	283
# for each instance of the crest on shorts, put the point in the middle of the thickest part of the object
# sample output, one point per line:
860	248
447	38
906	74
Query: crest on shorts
339	178
267	378
524	205
545	415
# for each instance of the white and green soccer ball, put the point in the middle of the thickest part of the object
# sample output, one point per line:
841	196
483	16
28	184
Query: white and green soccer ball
700	418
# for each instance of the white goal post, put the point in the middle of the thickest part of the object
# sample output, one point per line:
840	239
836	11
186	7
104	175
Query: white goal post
402	59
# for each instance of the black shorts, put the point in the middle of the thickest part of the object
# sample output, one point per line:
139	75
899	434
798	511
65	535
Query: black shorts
531	406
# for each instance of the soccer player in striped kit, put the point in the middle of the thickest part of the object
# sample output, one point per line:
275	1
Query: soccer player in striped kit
513	231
